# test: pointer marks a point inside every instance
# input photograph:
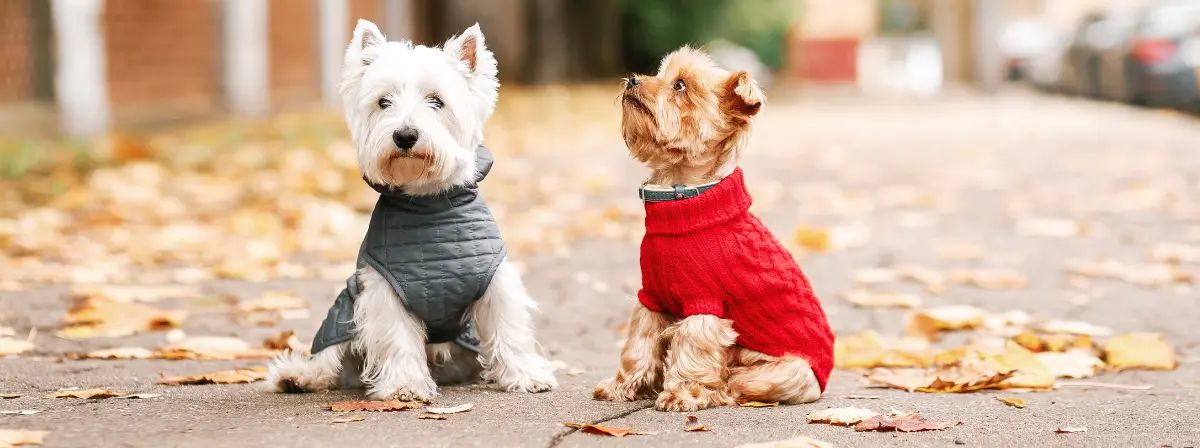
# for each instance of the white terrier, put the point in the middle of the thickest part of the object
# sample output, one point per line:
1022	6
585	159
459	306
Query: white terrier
432	264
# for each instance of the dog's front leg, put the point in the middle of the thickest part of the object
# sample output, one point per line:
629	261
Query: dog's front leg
391	342
641	372
503	317
696	368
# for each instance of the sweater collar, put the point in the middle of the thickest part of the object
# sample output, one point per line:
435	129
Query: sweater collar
446	200
722	202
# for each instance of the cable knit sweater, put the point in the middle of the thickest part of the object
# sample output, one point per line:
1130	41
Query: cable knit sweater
710	255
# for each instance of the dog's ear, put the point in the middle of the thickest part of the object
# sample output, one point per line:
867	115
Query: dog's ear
365	44
469	48
742	95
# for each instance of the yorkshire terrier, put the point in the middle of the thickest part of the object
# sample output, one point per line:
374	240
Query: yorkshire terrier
725	314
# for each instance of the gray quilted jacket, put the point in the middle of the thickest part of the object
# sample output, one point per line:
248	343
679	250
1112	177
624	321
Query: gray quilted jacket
438	252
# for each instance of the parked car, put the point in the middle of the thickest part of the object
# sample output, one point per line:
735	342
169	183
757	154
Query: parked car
1097	33
1044	70
1023	40
1161	67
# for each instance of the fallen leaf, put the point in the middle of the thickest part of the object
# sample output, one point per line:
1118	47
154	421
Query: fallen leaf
1074	327
1073	364
357	418
698	428
869	350
285	340
20	437
797	442
576	371
10	396
959	251
451	410
1106	385
1014	402
94	317
813	238
868	299
862	397
929	323
971	368
1148	351
1058	342
871	276
142	396
223	377
692	424
903	422
11	346
374	406
274	301
988	279
433	417
21	412
212	347
136	293
114	353
934	281
1049	228
758	404
1175	253
1070	430
87	394
1188	384
840	416
603	430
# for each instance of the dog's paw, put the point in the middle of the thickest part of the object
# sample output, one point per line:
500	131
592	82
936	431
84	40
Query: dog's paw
540	379
293	375
413	391
681	401
612	390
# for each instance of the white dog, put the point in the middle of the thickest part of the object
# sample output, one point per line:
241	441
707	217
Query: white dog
432	265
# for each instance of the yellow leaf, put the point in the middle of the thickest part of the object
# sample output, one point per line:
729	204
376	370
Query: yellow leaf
758	404
840	416
95	317
223	377
1014	402
1148	351
10	346
22	437
87	394
812	238
927	324
796	442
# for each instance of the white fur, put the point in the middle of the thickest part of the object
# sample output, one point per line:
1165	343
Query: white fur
389	350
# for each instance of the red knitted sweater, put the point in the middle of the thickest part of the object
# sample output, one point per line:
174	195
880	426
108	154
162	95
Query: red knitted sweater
709	255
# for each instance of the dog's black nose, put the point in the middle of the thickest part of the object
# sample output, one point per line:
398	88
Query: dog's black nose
405	138
633	82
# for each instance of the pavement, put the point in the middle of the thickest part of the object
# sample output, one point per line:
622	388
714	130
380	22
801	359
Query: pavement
977	165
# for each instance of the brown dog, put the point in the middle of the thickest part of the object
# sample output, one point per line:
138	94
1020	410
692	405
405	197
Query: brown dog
732	318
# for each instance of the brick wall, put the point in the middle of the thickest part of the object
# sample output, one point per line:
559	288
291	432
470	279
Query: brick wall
163	55
16	67
295	75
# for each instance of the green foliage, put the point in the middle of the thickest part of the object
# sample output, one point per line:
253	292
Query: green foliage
653	28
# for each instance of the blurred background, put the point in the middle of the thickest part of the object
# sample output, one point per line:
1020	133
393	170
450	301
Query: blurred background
211	123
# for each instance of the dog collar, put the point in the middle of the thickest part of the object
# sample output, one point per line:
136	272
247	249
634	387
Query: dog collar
675	193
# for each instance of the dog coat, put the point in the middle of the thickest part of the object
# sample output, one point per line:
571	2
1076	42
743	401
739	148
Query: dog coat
438	252
709	255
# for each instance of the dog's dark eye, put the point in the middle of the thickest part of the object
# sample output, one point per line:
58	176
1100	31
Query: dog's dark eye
384	103
435	102
679	85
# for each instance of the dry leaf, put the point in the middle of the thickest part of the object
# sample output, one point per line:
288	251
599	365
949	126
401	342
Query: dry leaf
988	279
840	416
1175	253
871	276
22	437
357	418
274	301
603	430
797	442
114	353
1070	430
869	350
1074	327
374	406
692	424
94	317
1014	402
1038	343
212	347
143	396
758	404
868	299
223	377
576	371
11	346
934	281
451	410
813	238
136	293
927	324
1148	351
433	417
903	422
1072	364
21	412
285	340
87	394
698	428
10	396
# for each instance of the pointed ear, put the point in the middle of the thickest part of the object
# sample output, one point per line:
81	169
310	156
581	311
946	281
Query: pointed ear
469	48
365	43
742	95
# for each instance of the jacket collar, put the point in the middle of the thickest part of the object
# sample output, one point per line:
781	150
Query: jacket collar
721	202
446	200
